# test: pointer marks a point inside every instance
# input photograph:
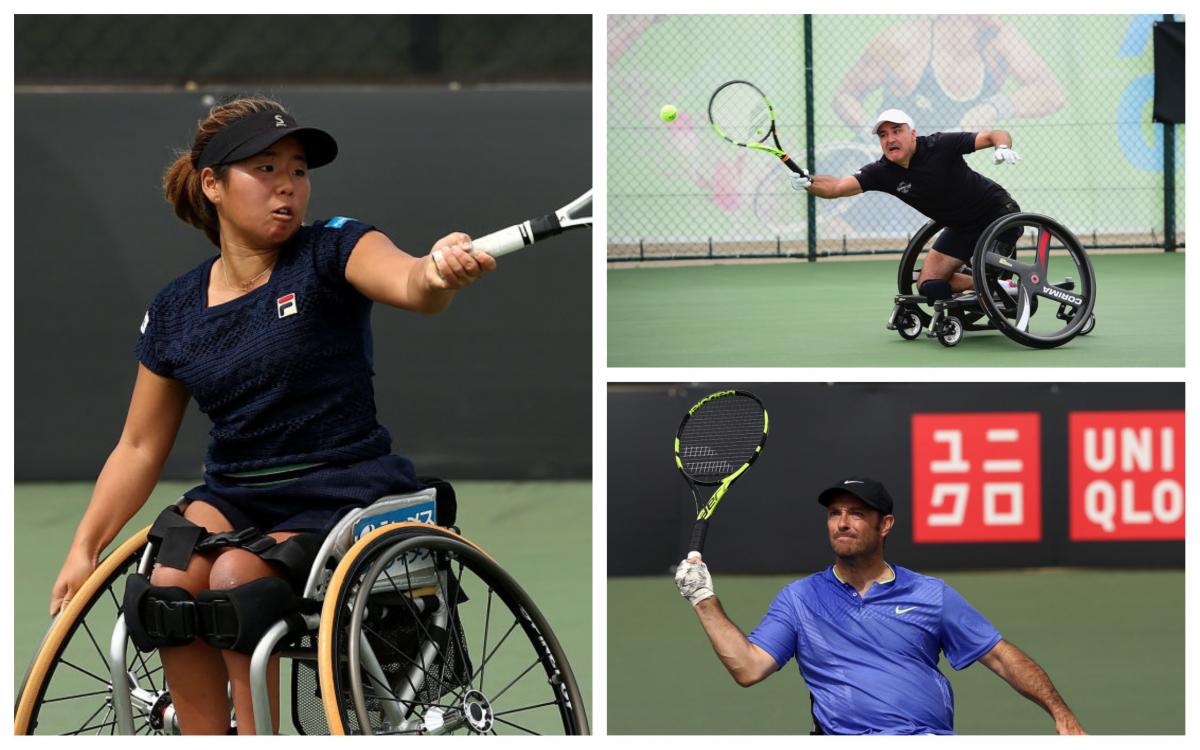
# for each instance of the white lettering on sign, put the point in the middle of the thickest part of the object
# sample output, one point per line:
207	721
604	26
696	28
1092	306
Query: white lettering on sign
955	464
1136	451
1101	504
992	515
956	492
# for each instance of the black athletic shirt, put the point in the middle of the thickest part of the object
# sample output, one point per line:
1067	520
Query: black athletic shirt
938	182
284	371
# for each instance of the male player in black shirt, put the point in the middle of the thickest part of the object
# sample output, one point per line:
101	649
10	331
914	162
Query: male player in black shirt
928	173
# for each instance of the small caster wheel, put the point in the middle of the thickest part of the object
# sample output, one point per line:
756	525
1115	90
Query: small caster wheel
950	331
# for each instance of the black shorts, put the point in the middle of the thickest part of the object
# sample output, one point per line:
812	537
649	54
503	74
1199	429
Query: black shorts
960	241
314	501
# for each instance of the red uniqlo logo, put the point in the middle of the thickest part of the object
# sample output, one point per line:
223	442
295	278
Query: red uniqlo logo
977	477
1126	475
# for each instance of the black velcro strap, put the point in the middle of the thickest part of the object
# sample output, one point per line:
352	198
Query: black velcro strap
175	538
158	616
447	502
295	555
249	539
236	619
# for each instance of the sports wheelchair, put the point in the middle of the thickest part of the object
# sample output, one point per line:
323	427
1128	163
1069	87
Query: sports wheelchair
410	629
1010	278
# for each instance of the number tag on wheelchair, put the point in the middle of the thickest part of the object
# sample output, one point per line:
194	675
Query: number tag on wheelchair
418	565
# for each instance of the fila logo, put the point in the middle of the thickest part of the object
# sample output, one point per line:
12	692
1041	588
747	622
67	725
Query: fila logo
287	305
279	123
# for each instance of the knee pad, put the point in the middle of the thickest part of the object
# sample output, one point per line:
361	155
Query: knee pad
935	289
236	619
158	616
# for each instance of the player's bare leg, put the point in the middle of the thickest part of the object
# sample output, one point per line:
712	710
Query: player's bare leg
237	567
938	265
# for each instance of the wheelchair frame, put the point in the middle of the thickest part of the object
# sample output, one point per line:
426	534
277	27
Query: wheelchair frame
962	312
338	548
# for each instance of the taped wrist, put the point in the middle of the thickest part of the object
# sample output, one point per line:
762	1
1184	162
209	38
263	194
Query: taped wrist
694	582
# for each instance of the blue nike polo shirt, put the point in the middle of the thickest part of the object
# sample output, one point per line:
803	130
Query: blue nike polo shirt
872	662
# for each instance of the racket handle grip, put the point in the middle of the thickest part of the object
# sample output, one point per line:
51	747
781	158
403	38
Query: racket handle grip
699	532
792	165
504	241
518	236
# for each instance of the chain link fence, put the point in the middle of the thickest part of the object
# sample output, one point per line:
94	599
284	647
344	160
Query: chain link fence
214	49
1076	92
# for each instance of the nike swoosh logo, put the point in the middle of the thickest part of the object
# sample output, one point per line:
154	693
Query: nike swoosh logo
852	481
902	611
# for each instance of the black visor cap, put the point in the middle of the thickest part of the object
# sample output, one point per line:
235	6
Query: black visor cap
255	133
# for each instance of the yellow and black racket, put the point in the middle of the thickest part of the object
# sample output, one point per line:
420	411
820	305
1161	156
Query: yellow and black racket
743	115
716	442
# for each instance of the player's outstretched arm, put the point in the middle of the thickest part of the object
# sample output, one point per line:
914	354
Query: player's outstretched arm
1031	681
383	273
825	186
747	663
1003	143
992	138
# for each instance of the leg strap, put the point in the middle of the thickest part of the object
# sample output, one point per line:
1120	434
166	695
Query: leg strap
158	615
235	619
177	539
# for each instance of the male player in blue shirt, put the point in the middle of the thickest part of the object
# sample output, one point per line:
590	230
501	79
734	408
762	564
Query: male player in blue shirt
867	634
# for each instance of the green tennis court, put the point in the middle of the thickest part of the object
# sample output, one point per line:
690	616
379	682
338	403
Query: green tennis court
540	532
832	314
1112	642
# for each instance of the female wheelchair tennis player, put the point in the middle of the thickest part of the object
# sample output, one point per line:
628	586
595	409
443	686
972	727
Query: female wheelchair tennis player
284	542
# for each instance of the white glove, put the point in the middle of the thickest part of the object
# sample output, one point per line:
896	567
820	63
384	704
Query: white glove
1006	155
693	580
800	181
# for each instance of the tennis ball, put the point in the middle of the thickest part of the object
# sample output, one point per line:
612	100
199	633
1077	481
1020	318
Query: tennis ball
668	113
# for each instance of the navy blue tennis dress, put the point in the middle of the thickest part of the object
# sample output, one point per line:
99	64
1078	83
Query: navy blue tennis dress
284	373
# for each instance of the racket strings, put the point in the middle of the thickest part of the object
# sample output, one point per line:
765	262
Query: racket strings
740	111
720	437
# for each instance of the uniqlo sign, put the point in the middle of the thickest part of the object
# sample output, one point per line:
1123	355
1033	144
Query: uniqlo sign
977	477
1126	475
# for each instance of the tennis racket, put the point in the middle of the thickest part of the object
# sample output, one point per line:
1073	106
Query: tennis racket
716	442
743	115
575	215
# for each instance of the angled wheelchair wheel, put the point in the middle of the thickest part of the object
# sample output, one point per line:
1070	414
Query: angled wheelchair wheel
68	688
910	266
422	633
1045	264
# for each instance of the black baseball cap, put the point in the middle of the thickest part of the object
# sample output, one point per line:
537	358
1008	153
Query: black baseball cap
252	134
870	491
